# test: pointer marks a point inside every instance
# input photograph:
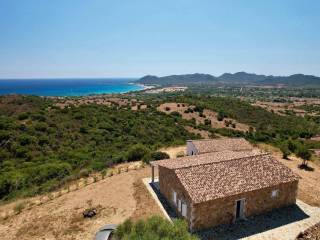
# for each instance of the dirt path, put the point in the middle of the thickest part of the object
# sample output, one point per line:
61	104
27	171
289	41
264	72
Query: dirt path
61	218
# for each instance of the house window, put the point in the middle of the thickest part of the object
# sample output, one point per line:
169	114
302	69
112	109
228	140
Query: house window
174	197
184	209
275	193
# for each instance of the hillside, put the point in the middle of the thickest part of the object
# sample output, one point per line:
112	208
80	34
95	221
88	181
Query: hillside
186	79
43	146
239	78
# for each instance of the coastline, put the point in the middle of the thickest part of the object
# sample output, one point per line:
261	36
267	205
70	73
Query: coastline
70	88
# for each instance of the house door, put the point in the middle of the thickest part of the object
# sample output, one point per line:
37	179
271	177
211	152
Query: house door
240	208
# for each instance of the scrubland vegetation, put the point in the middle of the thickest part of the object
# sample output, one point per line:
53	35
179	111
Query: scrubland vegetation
154	228
43	146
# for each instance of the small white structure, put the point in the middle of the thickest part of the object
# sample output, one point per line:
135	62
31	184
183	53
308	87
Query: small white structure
191	148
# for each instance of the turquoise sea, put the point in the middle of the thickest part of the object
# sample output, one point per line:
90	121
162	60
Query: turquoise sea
67	87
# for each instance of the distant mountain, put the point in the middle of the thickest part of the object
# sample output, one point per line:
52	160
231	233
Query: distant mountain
239	78
293	80
186	79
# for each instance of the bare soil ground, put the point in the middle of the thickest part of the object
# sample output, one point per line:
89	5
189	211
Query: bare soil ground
116	198
211	115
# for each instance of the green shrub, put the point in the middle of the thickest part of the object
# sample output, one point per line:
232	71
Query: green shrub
41	126
221	115
305	154
137	152
19	207
180	154
25	139
175	114
154	228
23	116
285	151
43	140
159	155
207	122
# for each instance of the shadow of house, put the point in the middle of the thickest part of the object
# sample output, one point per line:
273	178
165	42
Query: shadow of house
254	225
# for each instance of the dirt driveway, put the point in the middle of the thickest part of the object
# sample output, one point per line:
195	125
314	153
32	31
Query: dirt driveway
116	198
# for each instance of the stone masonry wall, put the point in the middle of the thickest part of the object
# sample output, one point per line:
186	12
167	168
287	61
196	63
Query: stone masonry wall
169	182
222	211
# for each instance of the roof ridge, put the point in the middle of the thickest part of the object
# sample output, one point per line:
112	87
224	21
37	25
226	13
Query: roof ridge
232	159
211	139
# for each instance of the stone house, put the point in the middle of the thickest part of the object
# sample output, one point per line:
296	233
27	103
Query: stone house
221	187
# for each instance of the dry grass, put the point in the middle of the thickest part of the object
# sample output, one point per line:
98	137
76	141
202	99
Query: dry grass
146	205
174	151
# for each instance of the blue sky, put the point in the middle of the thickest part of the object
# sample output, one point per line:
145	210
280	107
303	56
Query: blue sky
131	38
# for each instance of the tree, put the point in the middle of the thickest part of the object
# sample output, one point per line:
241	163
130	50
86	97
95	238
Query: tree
305	154
221	115
292	146
285	151
207	122
137	152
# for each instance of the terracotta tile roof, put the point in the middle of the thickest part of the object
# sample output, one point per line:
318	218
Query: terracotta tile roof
206	158
221	144
222	178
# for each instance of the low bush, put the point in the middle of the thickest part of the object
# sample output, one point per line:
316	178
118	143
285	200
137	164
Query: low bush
159	155
180	154
154	228
137	152
19	207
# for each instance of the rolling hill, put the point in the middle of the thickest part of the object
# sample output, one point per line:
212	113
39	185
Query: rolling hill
239	78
